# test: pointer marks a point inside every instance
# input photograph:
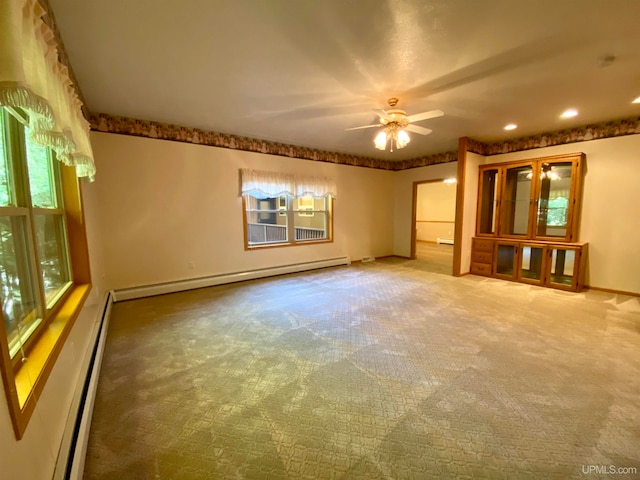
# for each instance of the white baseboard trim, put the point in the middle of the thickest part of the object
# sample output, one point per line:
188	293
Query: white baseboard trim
73	448
182	285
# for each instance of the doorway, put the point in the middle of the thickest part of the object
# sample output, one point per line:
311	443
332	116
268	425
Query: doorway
433	224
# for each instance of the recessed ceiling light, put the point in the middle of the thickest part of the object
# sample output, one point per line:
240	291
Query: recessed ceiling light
511	126
572	112
637	100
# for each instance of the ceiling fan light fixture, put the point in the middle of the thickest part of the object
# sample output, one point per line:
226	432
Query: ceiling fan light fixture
381	140
394	136
403	139
394	124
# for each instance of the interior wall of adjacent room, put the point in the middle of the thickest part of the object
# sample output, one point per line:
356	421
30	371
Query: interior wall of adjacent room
403	180
610	207
435	211
171	211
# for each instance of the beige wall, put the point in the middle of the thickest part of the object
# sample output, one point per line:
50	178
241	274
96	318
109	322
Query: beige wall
610	207
403	181
169	211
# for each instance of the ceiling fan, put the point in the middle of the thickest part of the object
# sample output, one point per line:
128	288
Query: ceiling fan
395	125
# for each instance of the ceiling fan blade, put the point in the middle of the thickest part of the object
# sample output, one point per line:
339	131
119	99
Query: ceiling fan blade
520	56
417	129
381	113
364	126
418	117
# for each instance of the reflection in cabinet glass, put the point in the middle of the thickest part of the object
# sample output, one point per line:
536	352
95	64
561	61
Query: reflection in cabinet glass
553	199
506	259
488	200
562	266
531	263
516	200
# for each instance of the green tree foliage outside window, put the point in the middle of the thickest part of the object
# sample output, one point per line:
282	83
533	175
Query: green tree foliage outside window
32	223
557	214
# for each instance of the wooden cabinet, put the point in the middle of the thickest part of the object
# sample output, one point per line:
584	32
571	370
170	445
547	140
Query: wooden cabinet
506	264
537	199
482	256
528	221
566	266
488	203
531	263
547	264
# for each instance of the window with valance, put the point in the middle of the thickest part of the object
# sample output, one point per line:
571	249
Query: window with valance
285	209
44	149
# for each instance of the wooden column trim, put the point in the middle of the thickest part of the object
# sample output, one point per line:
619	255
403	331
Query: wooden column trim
457	238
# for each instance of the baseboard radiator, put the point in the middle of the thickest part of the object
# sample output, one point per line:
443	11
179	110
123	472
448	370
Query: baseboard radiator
182	285
446	241
73	447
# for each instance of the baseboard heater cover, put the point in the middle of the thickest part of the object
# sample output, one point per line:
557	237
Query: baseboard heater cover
446	241
73	447
182	285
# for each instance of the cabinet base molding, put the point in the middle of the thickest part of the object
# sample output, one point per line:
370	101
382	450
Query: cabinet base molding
558	265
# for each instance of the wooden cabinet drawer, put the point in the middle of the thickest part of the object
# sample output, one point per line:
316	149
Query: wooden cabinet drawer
482	245
481	269
482	257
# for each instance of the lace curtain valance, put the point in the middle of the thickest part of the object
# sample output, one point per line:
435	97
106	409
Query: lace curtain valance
263	184
32	78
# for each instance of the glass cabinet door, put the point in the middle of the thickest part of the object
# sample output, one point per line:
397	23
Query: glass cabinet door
488	194
553	200
505	260
562	267
517	197
531	264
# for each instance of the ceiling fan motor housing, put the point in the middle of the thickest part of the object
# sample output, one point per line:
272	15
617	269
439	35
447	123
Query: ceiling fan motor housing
398	117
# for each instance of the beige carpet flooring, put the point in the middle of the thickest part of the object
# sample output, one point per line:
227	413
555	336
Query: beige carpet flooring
384	370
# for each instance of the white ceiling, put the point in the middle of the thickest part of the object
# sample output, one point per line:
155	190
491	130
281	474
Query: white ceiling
303	71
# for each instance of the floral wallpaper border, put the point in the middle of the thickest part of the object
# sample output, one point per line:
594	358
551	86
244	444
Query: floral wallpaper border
614	128
143	128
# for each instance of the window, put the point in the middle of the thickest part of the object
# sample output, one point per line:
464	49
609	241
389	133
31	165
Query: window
44	260
281	209
36	277
286	220
34	253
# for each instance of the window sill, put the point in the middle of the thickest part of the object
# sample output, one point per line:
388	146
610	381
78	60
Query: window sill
280	245
27	383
